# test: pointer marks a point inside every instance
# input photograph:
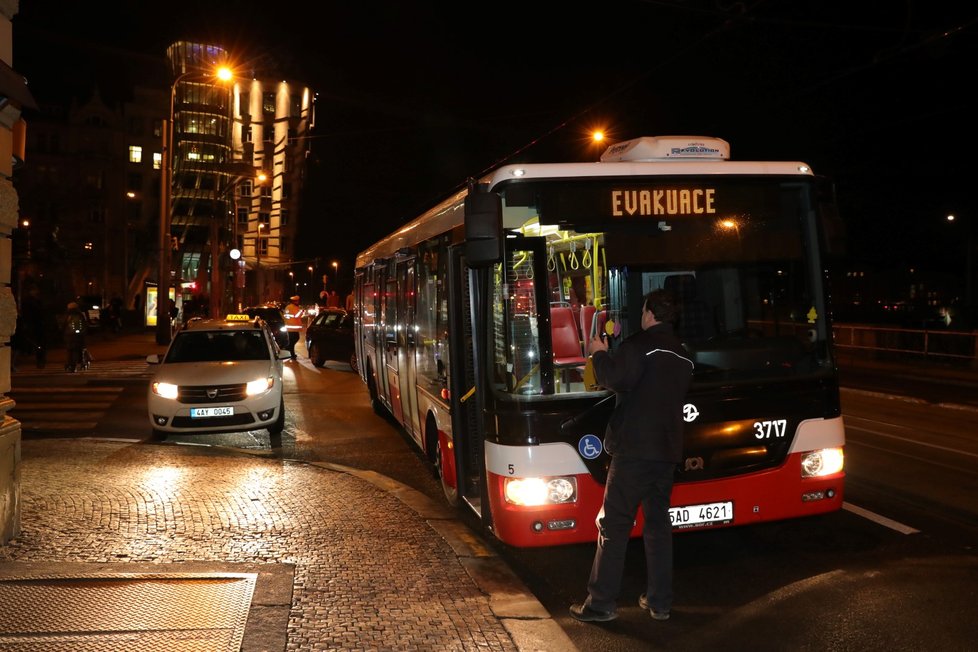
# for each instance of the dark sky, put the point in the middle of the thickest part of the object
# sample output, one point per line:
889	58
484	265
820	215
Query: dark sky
415	97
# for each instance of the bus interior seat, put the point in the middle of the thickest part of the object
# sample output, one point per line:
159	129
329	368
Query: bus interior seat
695	316
566	342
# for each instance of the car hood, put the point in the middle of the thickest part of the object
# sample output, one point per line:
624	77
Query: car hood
217	373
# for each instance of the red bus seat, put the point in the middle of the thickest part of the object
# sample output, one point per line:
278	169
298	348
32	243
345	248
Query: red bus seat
566	342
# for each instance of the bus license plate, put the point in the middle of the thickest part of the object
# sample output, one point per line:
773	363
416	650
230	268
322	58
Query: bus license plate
197	413
689	516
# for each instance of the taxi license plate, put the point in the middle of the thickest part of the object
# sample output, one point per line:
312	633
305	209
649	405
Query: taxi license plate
197	413
689	516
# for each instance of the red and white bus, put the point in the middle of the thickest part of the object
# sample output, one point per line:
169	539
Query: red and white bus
472	322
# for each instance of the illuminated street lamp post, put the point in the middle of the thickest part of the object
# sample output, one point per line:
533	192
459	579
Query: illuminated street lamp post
166	206
969	259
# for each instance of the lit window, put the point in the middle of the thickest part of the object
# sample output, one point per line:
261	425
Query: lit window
135	154
157	160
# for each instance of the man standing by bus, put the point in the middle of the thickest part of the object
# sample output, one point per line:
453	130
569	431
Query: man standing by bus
650	374
293	322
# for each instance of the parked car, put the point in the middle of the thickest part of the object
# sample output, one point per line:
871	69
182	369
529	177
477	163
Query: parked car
275	318
218	375
330	337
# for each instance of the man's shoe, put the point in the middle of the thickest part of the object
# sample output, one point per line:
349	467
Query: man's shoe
643	602
586	614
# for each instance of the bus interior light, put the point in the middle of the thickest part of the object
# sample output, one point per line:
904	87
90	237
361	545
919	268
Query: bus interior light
533	492
827	461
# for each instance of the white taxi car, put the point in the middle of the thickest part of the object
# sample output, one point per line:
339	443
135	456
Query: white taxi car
218	376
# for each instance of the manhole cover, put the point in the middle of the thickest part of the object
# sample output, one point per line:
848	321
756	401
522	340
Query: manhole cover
145	611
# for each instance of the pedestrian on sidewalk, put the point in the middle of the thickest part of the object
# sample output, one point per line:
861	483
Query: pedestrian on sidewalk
75	329
650	374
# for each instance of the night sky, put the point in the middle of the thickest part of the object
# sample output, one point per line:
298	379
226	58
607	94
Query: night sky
416	97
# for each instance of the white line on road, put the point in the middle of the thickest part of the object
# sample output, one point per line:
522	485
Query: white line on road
881	520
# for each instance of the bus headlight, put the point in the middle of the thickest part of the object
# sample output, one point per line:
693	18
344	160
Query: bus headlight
531	492
827	461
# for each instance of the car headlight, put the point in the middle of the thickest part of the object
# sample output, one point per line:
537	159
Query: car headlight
259	386
166	390
531	492
815	464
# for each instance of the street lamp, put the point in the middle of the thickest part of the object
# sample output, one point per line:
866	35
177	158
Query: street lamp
969	258
166	205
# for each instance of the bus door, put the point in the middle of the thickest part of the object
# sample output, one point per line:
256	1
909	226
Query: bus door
387	347
406	346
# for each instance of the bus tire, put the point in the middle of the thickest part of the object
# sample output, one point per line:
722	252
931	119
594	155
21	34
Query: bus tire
375	403
439	463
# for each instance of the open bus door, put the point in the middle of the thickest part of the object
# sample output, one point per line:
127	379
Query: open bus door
469	268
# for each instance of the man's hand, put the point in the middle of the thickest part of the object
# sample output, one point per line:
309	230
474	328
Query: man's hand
596	344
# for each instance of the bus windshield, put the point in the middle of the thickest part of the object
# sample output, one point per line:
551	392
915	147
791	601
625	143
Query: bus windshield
738	253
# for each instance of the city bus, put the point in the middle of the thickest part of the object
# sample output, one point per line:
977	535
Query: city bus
472	323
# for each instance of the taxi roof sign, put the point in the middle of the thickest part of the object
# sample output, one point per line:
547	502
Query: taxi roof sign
237	317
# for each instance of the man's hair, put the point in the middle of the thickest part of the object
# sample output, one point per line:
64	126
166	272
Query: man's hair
662	304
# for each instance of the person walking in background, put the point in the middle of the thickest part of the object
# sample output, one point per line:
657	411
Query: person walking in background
293	322
650	374
74	334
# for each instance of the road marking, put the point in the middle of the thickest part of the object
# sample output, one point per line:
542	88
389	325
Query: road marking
70	389
881	520
41	426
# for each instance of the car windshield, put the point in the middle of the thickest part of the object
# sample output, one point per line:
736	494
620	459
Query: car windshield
217	346
334	319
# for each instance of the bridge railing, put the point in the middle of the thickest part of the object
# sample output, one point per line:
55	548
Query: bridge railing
957	347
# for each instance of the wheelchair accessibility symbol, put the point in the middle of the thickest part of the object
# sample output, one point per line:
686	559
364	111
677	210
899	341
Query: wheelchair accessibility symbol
589	447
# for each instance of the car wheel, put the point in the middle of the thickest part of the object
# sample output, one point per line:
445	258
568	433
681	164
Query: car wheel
279	425
316	356
353	362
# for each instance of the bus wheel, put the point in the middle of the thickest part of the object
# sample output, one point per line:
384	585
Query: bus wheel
451	493
375	403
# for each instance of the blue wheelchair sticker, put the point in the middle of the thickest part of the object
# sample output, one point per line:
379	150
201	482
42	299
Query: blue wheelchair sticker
589	447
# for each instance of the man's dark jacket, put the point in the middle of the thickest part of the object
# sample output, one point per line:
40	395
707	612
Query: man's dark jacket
650	373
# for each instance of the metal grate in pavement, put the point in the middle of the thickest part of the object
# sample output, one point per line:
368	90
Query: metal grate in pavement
120	611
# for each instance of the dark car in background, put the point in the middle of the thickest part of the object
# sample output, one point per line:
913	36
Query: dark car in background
329	336
275	319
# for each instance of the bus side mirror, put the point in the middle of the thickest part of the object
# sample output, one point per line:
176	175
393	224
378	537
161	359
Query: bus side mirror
483	228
